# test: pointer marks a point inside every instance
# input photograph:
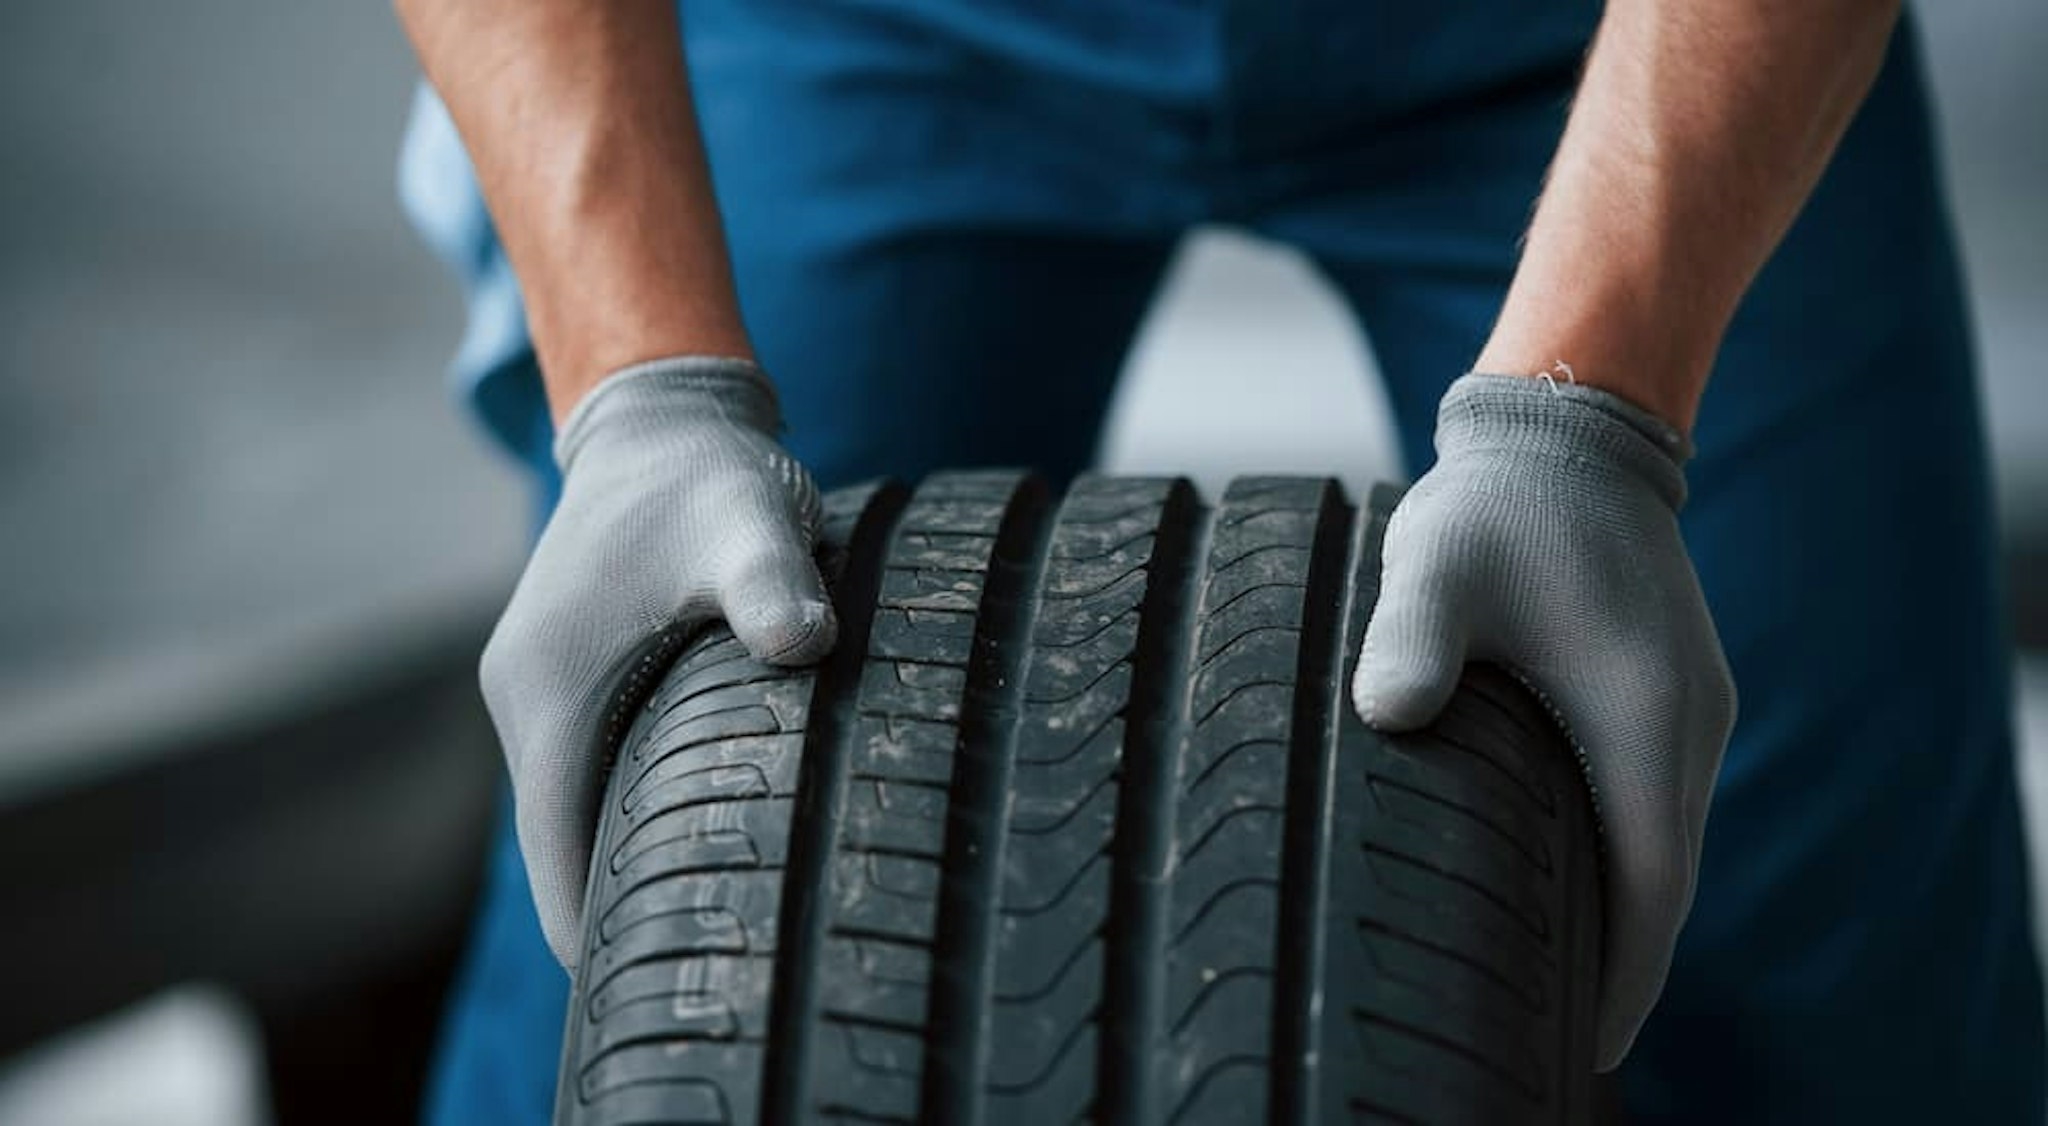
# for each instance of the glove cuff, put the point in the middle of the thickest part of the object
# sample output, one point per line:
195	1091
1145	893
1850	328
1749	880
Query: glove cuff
1525	415
655	397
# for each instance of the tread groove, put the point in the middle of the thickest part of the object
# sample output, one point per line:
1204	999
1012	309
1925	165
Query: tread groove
964	955
1232	832
1133	1012
1304	882
820	782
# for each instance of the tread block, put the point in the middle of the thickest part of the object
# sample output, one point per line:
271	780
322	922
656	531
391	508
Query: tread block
679	1102
932	636
696	839
865	978
1037	949
907	750
712	908
640	1064
676	736
1026	1051
737	978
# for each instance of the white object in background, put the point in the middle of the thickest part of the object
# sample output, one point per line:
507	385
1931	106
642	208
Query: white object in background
1250	363
187	1057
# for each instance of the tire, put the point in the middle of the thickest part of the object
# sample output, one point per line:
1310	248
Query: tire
1076	822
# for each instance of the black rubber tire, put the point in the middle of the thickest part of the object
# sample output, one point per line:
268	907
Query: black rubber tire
1075	823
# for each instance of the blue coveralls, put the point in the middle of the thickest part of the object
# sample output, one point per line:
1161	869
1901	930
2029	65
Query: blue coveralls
947	218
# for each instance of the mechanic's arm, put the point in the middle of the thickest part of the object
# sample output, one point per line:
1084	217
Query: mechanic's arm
1699	129
1546	538
679	506
578	119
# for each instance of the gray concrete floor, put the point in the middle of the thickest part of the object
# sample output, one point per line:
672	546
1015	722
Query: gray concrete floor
230	481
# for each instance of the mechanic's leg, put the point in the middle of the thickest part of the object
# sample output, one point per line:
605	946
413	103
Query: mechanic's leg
922	307
946	221
1860	947
949	349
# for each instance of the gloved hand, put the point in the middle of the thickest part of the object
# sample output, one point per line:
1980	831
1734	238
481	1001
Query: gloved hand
678	507
1545	539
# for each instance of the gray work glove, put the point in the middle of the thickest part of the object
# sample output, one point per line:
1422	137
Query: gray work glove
679	507
1545	539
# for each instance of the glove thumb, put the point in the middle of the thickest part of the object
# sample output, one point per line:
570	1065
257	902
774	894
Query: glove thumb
1413	653
775	601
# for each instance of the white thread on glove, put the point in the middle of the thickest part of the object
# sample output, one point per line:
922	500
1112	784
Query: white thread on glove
1546	539
679	507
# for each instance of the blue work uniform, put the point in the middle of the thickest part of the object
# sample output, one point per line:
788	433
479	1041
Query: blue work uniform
947	219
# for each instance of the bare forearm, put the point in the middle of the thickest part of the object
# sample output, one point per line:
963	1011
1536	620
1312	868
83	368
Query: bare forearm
578	117
1700	128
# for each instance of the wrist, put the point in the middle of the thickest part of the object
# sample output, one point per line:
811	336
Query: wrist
1637	309
1662	373
611	336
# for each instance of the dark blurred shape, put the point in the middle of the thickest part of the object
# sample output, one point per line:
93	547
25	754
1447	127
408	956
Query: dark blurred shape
322	868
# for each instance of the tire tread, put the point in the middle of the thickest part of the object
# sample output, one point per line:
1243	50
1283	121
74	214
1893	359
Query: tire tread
1075	823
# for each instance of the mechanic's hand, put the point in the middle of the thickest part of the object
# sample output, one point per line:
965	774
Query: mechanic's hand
1545	539
678	507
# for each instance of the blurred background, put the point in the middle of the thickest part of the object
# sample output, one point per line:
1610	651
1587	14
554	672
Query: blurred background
249	548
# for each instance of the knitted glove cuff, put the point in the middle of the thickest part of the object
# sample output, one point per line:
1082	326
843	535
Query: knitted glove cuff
1528	416
655	398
